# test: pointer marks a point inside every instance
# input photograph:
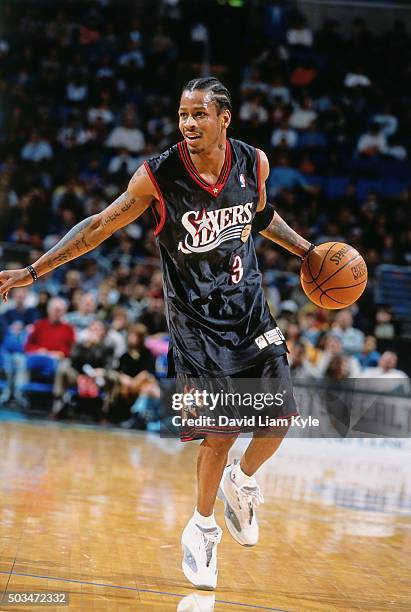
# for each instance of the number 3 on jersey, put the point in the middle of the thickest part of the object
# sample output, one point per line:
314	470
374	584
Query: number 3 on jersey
237	270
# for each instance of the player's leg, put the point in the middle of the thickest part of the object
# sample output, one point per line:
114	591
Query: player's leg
202	534
239	489
211	461
260	449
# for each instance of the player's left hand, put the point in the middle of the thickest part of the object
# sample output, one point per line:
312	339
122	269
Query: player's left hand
13	278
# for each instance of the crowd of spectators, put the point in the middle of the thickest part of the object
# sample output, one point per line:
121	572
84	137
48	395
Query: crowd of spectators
89	91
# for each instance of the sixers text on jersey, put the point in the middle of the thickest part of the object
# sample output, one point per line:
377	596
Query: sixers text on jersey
216	308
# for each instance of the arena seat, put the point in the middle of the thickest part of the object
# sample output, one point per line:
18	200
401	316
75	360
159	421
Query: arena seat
336	186
365	187
41	370
392	187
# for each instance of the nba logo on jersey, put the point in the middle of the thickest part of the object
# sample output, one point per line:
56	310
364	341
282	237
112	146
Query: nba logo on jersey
242	181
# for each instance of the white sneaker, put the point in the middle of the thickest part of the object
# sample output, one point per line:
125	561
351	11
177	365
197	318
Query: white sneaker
199	546
197	603
239	507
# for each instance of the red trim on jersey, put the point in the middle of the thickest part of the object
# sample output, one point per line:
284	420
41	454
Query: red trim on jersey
213	190
163	209
257	152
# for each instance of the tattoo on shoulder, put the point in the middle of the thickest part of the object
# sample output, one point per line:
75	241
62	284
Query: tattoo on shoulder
141	171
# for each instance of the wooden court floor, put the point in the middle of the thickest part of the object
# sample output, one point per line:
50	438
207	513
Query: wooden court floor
99	513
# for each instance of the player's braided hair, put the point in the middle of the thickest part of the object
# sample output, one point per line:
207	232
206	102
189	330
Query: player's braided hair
219	93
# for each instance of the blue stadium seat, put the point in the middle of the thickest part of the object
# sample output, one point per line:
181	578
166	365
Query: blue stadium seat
41	370
393	288
316	180
392	187
394	168
3	379
364	187
161	366
336	186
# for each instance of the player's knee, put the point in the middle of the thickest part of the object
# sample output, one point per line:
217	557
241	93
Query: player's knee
220	444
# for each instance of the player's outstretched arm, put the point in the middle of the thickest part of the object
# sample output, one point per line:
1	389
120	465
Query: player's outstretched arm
280	232
277	229
88	234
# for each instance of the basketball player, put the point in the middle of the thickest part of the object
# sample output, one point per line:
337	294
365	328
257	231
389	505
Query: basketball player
207	192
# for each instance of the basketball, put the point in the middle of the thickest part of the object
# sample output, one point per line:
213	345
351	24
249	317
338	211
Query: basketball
334	275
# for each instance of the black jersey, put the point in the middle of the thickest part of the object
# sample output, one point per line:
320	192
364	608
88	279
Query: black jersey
217	314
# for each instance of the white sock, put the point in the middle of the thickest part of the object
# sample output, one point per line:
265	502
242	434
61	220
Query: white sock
204	521
239	477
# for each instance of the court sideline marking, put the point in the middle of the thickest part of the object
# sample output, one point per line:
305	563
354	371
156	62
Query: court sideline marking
115	586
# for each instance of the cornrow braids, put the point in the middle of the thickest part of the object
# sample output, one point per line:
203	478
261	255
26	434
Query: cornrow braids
218	92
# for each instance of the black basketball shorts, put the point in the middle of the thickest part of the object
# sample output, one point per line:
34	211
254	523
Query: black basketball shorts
259	399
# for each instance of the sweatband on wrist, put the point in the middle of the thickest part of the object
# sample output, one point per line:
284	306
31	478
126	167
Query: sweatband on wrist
33	273
310	248
263	218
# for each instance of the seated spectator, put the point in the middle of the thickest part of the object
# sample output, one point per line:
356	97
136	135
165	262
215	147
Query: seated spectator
312	138
387	121
369	356
333	348
279	113
52	336
253	83
15	362
138	301
85	314
278	90
133	55
385	378
302	116
384	327
69	195
106	72
300	365
284	137
352	339
137	358
19	311
386	368
92	277
253	111
153	317
338	368
356	79
107	299
117	333
90	355
127	136
300	33
72	284
37	149
292	330
122	165
102	112
395	148
73	135
372	142
132	380
310	328
77	89
136	373
282	176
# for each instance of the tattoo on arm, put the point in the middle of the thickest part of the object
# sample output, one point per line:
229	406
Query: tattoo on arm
121	205
280	232
92	231
73	244
141	171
